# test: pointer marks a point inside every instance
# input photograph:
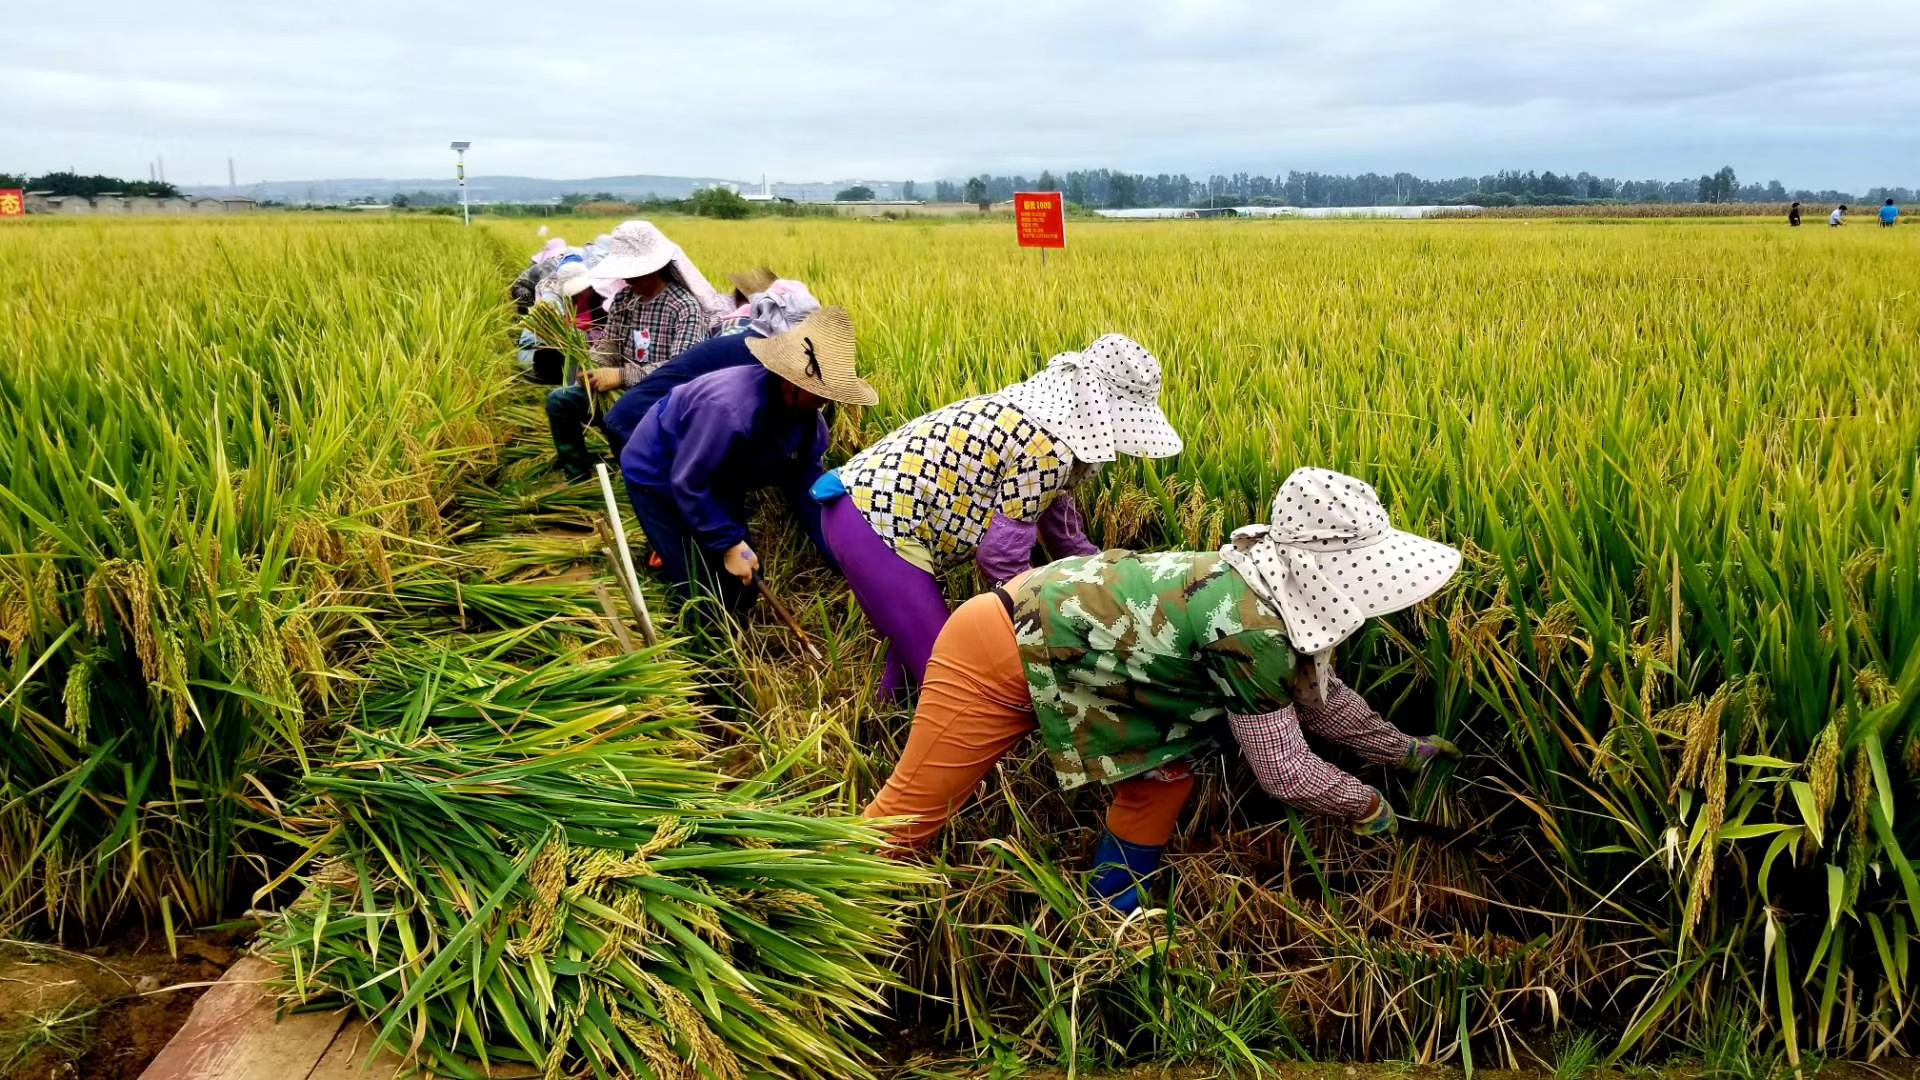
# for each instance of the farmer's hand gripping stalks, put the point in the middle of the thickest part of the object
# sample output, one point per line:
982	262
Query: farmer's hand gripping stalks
1290	771
1128	662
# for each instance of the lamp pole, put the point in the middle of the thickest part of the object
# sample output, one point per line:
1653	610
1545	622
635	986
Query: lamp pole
460	171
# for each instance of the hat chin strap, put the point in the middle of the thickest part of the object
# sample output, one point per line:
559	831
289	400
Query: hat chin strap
1321	660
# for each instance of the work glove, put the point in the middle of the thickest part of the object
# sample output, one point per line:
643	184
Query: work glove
1426	749
1378	821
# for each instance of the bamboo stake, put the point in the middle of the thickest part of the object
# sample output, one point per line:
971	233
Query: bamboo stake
613	617
623	562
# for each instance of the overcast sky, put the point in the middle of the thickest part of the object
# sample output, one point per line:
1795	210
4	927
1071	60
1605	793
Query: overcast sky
1815	94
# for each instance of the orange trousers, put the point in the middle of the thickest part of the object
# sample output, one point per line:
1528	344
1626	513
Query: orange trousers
974	707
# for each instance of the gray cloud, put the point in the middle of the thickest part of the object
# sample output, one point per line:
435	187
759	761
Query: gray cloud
806	90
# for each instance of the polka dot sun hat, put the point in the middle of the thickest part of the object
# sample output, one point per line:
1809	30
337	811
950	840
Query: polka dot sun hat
1331	559
1102	402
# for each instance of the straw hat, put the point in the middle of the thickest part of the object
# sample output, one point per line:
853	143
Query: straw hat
752	283
1332	559
817	356
636	249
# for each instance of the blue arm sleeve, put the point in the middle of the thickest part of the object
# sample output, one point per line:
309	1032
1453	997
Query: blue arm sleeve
799	490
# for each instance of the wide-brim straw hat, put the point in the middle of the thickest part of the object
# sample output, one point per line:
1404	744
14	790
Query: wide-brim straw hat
817	356
637	249
753	282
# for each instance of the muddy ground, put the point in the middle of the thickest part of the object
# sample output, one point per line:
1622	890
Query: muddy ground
99	1014
1902	1069
103	1014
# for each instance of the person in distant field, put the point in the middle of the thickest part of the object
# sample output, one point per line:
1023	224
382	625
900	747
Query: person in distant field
1838	217
1793	215
571	290
708	443
1889	215
544	263
660	314
775	309
583	301
985	479
1130	665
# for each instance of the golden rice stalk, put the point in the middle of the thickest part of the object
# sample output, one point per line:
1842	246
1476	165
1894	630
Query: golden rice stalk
1715	810
1823	766
1860	793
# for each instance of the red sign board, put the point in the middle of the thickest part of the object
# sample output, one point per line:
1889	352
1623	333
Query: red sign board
1041	217
13	202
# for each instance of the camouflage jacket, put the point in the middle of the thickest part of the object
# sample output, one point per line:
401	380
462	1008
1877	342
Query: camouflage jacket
1133	659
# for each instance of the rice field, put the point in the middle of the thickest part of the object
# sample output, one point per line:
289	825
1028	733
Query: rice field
280	570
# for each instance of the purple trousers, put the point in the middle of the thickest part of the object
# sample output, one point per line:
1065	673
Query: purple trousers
902	601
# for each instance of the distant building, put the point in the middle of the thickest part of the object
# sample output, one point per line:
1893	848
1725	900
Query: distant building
224	204
40	202
1287	211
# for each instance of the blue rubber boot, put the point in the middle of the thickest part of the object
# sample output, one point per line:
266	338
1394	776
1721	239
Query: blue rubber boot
1118	870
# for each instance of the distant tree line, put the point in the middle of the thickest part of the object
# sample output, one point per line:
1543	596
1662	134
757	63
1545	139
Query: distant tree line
1119	190
72	183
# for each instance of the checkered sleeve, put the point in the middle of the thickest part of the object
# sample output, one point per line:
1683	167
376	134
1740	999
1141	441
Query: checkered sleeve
1347	720
615	333
1291	772
673	322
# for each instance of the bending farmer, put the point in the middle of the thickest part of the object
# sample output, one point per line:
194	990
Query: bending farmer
656	317
985	478
1131	664
708	443
774	311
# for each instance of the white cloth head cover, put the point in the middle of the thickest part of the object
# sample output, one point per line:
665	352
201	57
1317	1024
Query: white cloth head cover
571	279
598	250
1331	560
548	287
638	248
1102	402
780	308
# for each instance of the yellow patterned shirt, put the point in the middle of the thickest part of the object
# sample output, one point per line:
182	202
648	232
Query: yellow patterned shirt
932	486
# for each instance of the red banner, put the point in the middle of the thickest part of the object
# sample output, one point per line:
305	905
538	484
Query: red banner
13	202
1041	217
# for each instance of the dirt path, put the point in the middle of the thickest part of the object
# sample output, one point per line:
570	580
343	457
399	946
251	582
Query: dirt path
98	1014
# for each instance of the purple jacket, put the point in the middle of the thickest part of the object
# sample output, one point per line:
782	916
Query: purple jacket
1006	550
711	441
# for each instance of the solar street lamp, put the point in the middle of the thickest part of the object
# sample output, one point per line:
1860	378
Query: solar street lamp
460	171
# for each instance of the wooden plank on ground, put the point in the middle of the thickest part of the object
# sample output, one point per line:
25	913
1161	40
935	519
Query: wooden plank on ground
347	1058
232	1033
